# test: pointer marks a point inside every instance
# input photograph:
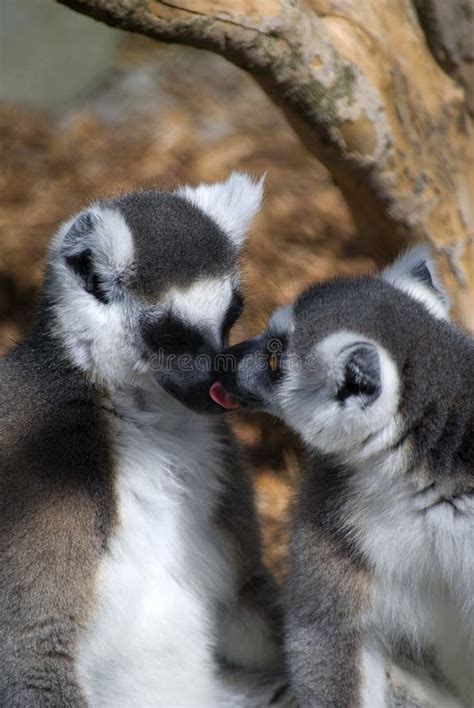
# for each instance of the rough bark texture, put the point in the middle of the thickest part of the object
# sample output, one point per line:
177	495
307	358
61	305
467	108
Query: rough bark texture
358	81
449	29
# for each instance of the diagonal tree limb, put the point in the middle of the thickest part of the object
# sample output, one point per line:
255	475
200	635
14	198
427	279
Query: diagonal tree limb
359	84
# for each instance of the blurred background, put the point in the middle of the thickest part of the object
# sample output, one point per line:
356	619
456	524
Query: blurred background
87	111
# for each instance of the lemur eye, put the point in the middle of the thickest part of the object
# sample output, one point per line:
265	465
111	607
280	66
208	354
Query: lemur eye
233	313
273	362
274	368
276	347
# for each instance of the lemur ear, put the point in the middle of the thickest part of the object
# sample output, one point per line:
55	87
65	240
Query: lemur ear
79	230
231	204
78	255
358	372
414	272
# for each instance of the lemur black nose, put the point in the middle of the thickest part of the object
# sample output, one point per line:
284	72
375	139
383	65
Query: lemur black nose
228	362
238	369
250	371
226	355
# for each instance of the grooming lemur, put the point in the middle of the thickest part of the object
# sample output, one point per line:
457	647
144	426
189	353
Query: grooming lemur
130	563
380	385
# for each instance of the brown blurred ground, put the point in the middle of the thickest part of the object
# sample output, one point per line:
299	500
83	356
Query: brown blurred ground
167	116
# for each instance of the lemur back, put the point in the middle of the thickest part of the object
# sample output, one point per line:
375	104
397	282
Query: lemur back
129	548
56	514
380	385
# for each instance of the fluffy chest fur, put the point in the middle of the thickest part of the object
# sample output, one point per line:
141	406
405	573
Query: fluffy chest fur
419	538
152	636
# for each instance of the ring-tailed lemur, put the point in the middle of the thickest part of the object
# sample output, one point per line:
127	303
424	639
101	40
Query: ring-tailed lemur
129	549
380	385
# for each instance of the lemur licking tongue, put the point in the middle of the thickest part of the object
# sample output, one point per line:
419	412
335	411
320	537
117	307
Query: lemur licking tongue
380	386
130	565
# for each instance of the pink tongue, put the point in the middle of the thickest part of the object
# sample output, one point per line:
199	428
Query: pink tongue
220	395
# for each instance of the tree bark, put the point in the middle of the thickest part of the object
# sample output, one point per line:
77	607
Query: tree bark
358	82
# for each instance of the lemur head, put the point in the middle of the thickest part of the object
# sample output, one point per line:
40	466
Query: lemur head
331	364
145	287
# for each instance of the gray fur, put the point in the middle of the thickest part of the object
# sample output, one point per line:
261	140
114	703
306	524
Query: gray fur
60	456
334	572
56	513
435	358
175	242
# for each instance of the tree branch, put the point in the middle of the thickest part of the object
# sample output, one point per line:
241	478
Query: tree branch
449	30
362	89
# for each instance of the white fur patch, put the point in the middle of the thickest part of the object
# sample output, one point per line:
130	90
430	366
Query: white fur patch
150	643
110	240
308	400
399	274
115	238
203	305
231	204
168	572
91	330
421	550
373	692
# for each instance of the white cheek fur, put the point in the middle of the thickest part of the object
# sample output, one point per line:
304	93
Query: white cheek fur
308	403
97	336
